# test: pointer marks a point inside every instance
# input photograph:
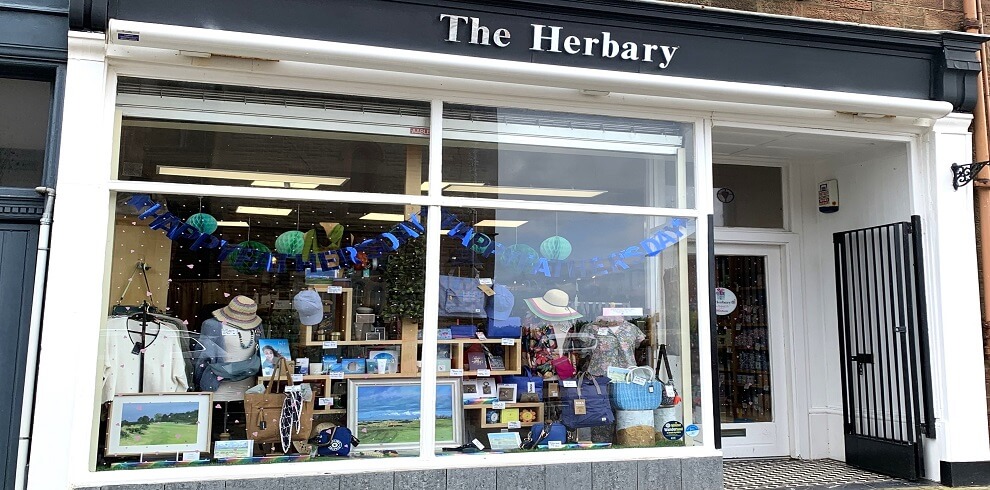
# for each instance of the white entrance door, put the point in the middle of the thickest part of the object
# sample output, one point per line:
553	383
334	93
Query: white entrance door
751	344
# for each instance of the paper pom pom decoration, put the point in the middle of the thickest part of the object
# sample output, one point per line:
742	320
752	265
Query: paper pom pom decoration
556	248
248	267
290	242
203	222
519	257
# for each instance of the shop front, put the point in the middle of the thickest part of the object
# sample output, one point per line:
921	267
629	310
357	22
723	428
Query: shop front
400	244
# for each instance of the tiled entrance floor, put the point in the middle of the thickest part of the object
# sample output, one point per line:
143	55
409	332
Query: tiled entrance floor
773	474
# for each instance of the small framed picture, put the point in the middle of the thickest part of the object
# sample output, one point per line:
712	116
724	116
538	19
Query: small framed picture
507	393
470	389
487	387
376	335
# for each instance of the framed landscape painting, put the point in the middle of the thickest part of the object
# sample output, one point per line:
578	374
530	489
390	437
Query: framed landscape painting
159	423
385	413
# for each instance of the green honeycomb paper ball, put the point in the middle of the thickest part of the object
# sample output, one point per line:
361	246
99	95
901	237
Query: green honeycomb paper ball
247	268
203	222
518	257
290	242
556	248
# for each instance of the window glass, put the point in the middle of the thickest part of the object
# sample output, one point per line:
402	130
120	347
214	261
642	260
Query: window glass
23	138
577	329
548	156
748	196
233	287
538	303
249	137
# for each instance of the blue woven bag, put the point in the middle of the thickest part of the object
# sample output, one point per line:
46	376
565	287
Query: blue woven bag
633	396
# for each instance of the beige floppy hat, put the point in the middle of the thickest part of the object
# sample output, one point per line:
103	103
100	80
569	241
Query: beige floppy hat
552	306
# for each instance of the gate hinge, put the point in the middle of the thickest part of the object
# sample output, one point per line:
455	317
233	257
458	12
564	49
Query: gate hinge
900	329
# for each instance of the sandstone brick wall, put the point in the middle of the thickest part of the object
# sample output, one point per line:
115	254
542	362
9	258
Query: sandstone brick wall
910	14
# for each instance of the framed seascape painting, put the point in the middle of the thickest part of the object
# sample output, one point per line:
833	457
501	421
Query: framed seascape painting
385	414
159	423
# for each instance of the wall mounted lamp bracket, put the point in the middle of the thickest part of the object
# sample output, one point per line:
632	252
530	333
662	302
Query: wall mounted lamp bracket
964	174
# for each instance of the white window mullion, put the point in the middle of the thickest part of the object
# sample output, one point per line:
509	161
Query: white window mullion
431	295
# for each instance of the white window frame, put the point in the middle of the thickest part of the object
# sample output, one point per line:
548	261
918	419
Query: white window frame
80	470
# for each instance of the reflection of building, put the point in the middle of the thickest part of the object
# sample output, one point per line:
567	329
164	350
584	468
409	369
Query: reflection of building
32	81
274	122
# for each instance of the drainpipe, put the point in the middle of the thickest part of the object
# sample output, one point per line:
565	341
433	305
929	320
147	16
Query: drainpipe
973	23
34	334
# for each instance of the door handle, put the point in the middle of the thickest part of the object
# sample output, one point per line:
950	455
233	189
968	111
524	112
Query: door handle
862	358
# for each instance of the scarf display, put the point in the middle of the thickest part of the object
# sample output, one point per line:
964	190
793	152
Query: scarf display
291	410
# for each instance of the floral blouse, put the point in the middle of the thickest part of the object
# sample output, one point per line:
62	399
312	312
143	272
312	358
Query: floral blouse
615	346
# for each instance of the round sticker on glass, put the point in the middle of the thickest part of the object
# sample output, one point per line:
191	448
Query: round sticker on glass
725	301
692	430
673	430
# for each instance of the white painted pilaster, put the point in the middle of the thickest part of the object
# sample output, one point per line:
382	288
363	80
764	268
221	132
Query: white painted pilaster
64	420
953	297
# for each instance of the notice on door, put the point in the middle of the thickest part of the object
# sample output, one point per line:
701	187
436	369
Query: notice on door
725	301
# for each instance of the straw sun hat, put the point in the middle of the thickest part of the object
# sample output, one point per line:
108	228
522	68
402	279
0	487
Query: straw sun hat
242	312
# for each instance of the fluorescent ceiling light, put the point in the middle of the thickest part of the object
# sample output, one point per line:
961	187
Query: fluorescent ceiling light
283	185
444	185
524	191
239	224
212	173
264	211
501	223
383	217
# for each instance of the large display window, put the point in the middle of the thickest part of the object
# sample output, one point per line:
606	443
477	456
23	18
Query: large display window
276	254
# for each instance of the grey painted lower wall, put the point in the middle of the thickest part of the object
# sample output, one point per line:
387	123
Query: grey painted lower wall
661	474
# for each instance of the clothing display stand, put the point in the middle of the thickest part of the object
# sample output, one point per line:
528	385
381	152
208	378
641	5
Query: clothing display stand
141	345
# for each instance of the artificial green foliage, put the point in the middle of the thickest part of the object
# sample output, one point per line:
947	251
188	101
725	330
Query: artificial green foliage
405	282
336	233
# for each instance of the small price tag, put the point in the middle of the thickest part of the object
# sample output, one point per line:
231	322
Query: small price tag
484	373
335	289
602	331
190	455
487	281
515	424
498	405
330	344
639	380
531	387
297	378
457	372
579	407
486	289
335	375
553	391
669	390
225	330
478	444
555	444
482	336
508	341
326	402
570	383
289	389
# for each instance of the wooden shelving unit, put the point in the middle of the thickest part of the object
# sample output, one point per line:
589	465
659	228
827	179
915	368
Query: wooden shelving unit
481	409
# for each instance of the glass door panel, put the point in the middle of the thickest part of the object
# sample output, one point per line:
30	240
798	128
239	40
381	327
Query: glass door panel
743	339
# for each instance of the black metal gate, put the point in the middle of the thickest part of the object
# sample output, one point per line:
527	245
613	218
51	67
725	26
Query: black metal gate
883	337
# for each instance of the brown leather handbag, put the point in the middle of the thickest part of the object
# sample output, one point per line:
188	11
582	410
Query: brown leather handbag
264	410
